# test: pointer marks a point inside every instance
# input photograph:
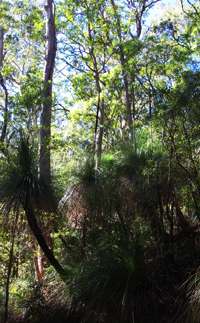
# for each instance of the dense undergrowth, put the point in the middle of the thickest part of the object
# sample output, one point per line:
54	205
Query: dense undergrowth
127	242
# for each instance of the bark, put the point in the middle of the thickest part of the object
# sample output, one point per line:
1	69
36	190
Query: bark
98	133
124	75
99	124
1	45
3	86
9	270
37	232
139	15
45	121
5	112
99	136
39	266
140	7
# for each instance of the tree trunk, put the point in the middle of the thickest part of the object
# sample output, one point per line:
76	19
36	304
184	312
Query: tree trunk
129	117
5	112
39	266
1	45
99	136
45	121
99	124
37	232
2	84
9	270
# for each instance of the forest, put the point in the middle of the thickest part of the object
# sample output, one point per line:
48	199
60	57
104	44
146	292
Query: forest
100	161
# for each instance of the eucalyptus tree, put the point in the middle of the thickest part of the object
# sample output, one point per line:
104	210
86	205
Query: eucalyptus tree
22	35
171	57
23	29
85	29
104	58
129	24
45	121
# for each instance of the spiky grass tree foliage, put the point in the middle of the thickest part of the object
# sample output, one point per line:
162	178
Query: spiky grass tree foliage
190	311
111	284
123	188
126	219
20	188
115	211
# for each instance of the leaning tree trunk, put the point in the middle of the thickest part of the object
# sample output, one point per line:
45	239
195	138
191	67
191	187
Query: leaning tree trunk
45	121
37	232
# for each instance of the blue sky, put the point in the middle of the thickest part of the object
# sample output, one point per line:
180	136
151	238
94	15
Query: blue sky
160	9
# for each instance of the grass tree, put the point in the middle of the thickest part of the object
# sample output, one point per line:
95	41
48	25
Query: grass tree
21	189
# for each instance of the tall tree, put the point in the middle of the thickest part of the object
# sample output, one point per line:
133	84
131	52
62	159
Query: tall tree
3	85
87	43
129	114
45	122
